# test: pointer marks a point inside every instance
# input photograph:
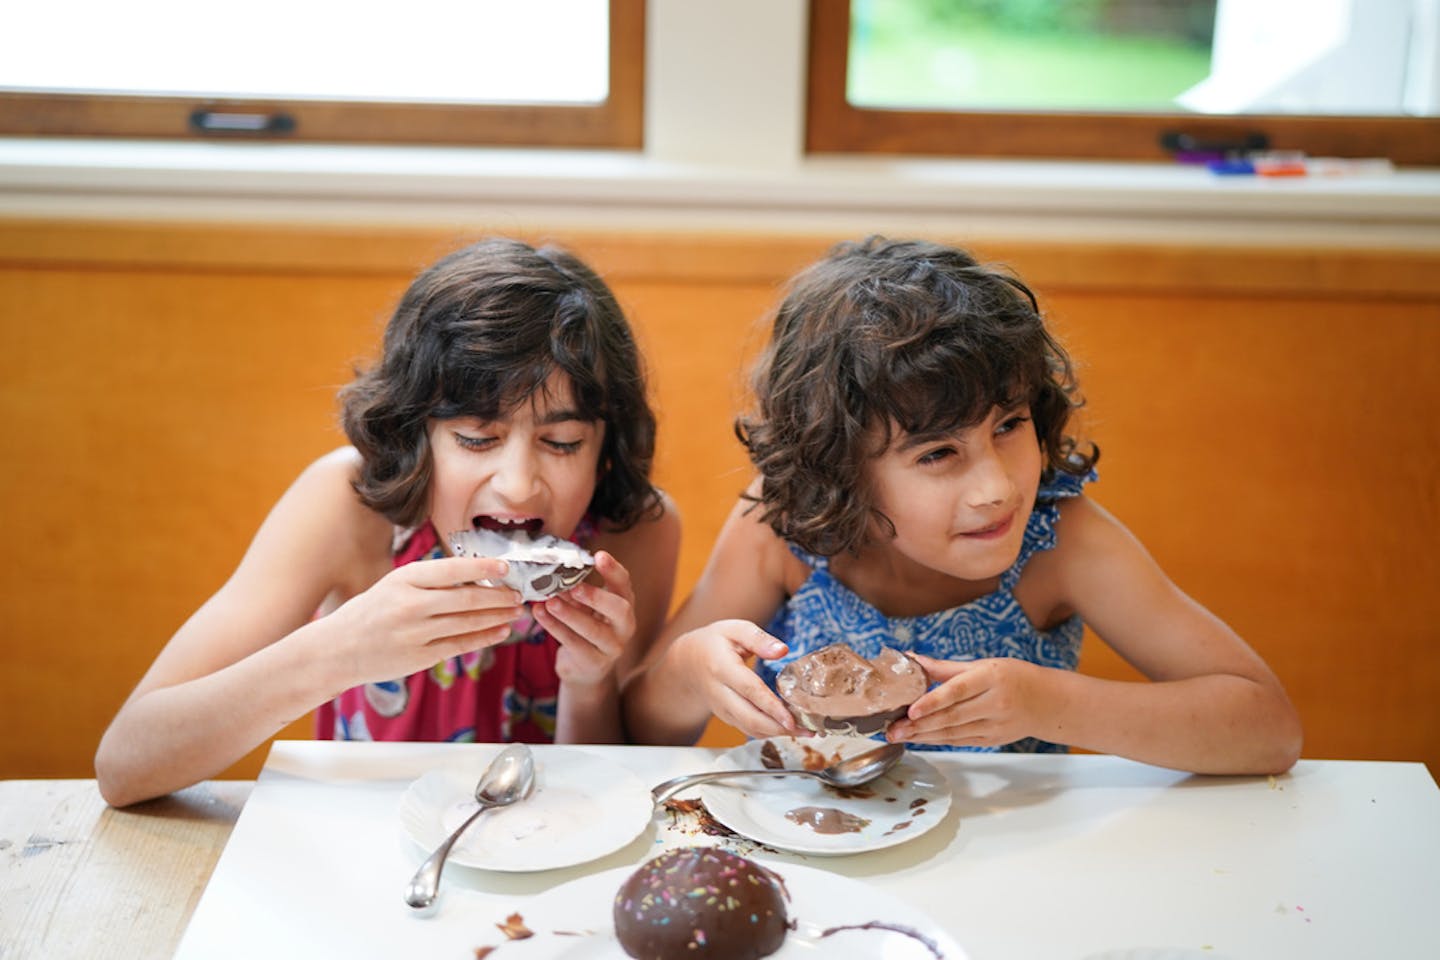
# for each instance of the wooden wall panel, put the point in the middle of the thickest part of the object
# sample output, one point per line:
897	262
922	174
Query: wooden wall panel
1268	420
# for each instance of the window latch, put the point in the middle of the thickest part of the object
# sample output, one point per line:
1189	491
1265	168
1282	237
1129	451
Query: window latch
241	123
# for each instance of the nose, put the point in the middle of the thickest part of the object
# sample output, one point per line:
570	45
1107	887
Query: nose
989	482
515	478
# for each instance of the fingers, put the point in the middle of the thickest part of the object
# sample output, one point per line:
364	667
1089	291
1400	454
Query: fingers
449	571
749	639
588	613
459	644
616	577
752	705
941	670
448	625
754	719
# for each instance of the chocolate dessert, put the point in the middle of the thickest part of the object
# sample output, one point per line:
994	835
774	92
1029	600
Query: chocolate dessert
540	566
834	689
701	902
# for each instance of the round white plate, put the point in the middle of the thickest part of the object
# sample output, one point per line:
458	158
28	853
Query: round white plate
905	803
573	921
583	807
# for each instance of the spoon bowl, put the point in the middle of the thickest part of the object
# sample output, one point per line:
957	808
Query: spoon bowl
853	771
509	778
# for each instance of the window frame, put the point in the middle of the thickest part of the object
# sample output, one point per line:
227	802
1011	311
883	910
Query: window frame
617	123
833	125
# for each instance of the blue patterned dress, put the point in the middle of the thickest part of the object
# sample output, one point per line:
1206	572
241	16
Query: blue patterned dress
824	611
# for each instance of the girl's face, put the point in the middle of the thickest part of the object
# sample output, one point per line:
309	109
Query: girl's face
534	467
960	503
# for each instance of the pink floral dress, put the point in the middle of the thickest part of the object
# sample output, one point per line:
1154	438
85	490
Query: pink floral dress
502	694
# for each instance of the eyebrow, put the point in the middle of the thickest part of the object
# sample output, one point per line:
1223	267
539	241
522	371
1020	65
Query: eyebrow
564	416
913	440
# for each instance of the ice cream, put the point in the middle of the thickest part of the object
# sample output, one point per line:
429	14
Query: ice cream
834	689
540	566
701	902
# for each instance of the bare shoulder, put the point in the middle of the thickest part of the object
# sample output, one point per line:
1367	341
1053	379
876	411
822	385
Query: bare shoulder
1091	545
321	527
749	571
1085	529
657	531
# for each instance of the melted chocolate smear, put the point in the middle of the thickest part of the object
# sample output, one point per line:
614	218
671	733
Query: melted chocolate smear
770	756
903	824
827	820
815	760
918	802
862	792
706	823
482	952
893	928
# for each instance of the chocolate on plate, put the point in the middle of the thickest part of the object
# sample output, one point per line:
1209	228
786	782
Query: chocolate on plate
835	690
540	566
701	902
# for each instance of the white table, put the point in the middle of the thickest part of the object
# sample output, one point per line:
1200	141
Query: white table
1039	856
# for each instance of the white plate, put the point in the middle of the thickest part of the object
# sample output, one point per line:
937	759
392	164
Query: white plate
905	803
573	921
583	807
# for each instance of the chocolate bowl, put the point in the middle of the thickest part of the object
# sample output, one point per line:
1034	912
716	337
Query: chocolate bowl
540	566
835	690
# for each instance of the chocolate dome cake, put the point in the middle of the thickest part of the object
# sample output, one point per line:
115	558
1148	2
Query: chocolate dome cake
836	690
701	902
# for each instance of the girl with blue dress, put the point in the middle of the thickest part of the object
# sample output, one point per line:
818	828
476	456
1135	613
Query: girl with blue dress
918	488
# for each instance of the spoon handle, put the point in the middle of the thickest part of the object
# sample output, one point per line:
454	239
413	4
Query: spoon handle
669	788
426	882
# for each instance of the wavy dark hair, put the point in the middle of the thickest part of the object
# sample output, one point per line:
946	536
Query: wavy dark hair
883	335
475	335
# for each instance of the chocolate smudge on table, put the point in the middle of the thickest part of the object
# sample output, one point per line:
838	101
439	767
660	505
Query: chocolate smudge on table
925	941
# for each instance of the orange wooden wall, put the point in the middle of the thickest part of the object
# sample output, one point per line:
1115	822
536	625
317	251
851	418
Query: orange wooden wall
1270	422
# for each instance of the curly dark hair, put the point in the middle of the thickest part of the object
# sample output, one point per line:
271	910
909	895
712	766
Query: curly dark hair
883	335
475	335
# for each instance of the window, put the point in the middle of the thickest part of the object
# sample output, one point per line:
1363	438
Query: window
1116	79
542	72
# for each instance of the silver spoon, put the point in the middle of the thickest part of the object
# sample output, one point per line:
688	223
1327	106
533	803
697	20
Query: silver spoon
850	772
510	777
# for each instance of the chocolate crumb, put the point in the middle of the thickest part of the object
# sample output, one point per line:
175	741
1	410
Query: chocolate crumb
514	928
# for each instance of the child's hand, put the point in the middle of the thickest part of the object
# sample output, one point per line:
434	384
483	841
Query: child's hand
593	624
714	661
422	613
979	703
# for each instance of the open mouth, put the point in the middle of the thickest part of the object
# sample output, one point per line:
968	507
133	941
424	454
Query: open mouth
507	525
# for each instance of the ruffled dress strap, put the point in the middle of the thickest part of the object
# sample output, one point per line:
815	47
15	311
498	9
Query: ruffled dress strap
1040	530
812	560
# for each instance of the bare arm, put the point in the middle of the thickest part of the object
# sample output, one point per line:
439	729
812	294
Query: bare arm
699	666
251	659
1212	705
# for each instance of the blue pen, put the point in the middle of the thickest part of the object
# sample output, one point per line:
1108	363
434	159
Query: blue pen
1232	167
